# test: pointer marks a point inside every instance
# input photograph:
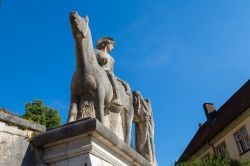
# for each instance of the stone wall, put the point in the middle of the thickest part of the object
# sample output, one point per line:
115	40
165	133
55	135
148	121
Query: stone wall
15	135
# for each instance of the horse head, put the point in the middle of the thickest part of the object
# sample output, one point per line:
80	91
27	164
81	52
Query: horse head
79	25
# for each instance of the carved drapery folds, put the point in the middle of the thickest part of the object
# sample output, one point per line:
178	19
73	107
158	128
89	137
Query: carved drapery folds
144	127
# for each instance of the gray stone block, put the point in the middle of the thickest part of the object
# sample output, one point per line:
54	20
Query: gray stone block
86	137
22	122
19	146
62	163
5	146
2	126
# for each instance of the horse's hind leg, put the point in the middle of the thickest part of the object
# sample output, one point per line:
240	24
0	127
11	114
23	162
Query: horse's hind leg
100	104
74	102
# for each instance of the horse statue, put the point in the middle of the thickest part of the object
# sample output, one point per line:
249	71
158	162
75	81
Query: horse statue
91	90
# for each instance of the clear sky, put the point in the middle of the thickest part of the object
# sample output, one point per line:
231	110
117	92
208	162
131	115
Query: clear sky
178	53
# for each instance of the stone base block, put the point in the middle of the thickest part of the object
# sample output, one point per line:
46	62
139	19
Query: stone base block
84	143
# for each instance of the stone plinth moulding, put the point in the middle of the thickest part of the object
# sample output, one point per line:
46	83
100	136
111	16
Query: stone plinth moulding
86	143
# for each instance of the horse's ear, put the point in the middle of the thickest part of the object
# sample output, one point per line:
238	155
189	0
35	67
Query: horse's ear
86	18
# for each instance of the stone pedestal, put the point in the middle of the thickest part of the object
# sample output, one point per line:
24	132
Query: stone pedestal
84	143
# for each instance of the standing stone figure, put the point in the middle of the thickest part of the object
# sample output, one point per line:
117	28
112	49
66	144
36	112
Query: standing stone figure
103	46
144	127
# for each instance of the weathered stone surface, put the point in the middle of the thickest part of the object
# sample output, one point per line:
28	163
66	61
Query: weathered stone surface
100	162
79	160
22	122
5	145
14	142
67	144
2	126
113	121
63	163
15	130
19	146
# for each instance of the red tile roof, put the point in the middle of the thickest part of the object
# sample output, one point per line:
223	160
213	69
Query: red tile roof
228	112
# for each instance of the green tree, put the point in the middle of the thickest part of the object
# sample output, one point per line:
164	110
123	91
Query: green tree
37	112
215	161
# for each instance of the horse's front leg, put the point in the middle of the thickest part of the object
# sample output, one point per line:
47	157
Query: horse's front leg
74	102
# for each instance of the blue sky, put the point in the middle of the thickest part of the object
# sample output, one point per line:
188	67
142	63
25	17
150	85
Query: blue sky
180	54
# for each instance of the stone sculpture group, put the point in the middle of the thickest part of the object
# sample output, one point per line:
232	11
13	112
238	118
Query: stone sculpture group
97	93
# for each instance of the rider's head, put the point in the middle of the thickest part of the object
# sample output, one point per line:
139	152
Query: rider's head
105	42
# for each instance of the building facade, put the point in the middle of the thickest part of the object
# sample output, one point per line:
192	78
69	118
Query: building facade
226	132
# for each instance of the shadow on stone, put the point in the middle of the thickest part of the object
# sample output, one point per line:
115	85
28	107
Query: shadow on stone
29	157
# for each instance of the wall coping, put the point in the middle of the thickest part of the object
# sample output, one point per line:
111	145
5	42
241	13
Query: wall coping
22	122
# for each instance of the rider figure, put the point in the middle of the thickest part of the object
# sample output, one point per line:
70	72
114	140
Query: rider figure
103	46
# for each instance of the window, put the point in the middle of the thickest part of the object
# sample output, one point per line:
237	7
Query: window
242	140
205	157
221	150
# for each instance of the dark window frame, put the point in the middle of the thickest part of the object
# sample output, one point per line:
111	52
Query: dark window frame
205	157
242	140
221	150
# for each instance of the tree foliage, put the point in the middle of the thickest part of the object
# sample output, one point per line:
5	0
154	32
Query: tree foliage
37	112
215	161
